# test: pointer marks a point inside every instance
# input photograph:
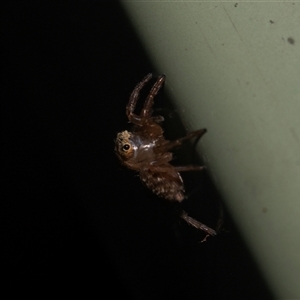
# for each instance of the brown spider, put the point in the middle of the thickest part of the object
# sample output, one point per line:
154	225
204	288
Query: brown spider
146	151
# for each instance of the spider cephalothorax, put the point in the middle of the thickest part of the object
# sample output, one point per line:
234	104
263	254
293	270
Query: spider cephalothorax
146	151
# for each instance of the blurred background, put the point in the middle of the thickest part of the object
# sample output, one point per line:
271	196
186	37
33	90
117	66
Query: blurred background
75	220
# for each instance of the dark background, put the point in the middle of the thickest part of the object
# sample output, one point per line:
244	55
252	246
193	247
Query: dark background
75	219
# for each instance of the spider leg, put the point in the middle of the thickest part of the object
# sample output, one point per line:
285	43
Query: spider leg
158	119
198	133
146	112
189	168
191	221
133	118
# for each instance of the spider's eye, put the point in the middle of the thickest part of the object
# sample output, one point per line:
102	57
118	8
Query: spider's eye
126	147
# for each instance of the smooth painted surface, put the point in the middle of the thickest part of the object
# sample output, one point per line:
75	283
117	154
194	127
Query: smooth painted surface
234	68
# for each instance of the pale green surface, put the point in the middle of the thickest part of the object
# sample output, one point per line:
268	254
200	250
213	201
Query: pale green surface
231	70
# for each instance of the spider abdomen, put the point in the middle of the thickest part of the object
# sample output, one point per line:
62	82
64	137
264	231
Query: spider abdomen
164	181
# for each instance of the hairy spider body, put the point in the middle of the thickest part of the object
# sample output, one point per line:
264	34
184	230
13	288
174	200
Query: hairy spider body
146	151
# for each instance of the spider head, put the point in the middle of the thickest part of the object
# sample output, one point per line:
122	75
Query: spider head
134	150
123	145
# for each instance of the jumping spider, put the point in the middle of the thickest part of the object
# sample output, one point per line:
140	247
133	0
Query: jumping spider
146	151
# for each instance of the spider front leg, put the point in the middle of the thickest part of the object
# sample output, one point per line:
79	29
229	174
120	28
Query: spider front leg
147	107
132	117
146	112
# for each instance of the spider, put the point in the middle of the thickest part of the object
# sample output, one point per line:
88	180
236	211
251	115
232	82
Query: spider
146	151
